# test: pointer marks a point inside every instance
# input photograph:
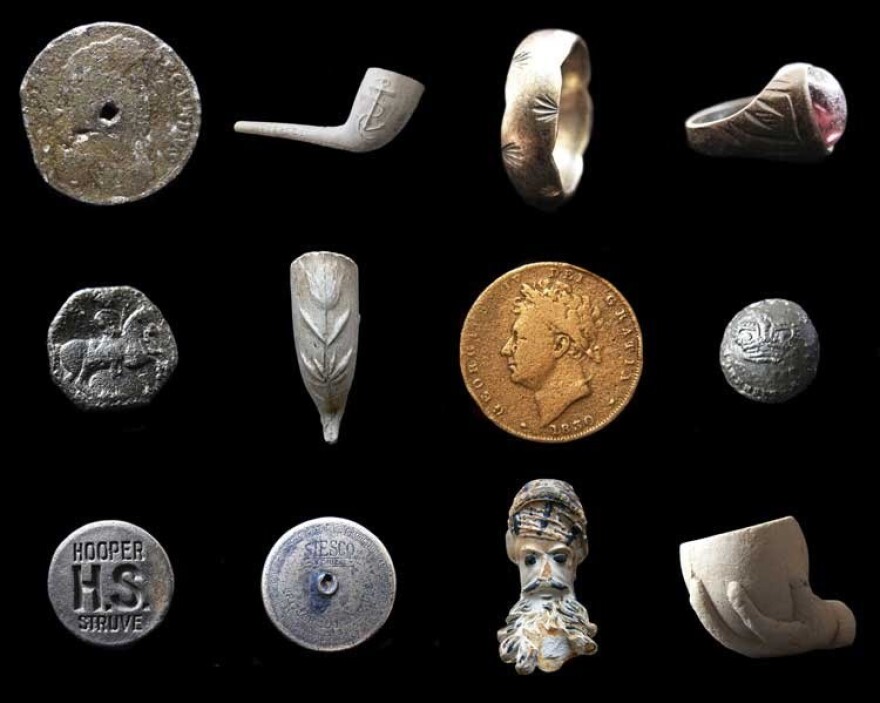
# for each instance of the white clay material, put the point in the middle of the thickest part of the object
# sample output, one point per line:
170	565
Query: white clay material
382	107
750	589
326	316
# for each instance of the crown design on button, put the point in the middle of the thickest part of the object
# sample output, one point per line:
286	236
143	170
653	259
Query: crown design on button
764	342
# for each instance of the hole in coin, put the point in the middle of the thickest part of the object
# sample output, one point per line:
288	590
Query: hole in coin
327	584
109	113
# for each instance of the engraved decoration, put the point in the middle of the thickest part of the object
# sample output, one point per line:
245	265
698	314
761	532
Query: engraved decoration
770	351
512	154
111	111
799	116
548	117
326	316
547	539
750	589
545	108
110	348
770	120
329	584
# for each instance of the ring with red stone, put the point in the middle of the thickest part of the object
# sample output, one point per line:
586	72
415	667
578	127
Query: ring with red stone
799	116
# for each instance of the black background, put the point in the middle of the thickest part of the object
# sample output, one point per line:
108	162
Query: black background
230	455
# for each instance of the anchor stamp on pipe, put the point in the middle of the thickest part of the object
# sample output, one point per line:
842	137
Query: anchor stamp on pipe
383	105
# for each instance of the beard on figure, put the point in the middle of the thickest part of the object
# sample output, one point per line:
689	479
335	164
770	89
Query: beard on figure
545	633
547	539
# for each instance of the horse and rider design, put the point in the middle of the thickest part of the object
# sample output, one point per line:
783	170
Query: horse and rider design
111	346
127	344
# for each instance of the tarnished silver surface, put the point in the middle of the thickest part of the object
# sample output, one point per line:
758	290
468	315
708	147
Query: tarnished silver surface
548	117
799	116
112	113
328	584
770	351
110	348
110	583
326	316
383	105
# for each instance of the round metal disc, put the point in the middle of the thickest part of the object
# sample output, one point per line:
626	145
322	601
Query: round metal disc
328	584
112	113
110	583
770	351
110	348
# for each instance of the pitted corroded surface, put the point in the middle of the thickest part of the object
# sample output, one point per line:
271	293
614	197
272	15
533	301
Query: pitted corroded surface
111	111
110	348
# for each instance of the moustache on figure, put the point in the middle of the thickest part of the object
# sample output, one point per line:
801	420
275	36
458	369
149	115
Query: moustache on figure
545	584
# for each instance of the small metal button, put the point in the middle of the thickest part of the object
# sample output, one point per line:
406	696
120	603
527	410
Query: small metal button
110	583
328	584
770	351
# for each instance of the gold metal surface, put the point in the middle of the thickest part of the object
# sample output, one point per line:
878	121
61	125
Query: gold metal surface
551	352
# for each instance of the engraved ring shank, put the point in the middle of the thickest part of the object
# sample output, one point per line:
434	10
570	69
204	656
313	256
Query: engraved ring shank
548	117
799	116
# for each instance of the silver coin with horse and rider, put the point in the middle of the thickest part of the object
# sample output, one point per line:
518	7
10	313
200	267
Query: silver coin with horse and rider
110	348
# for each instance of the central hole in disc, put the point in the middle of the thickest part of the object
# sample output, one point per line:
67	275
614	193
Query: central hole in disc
109	113
327	584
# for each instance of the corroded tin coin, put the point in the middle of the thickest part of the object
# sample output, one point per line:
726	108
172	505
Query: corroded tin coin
328	584
551	352
110	348
770	351
110	583
112	113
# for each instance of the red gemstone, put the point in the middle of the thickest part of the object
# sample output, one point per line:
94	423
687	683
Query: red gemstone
829	105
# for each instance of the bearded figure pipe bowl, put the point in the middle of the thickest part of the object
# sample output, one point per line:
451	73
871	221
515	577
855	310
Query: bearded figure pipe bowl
547	540
750	589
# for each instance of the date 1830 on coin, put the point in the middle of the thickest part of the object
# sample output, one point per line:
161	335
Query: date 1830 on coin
551	352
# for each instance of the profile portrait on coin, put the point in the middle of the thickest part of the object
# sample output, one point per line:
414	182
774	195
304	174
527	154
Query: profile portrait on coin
551	352
552	343
124	151
547	539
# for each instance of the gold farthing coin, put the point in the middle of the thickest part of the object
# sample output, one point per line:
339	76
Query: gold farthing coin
551	352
